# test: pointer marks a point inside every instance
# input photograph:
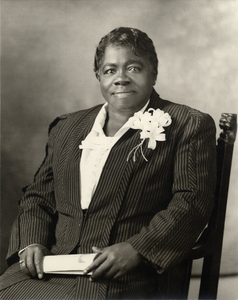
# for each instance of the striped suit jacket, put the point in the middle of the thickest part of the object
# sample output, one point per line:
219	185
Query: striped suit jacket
159	207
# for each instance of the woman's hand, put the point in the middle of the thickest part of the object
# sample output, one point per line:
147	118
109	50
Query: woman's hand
31	260
114	261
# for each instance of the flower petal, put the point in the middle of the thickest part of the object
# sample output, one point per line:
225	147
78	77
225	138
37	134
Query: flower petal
152	143
145	134
158	113
160	137
151	124
135	123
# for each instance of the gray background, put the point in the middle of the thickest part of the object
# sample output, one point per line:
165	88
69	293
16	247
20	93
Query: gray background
47	60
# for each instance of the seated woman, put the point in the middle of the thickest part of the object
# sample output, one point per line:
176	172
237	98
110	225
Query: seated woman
132	180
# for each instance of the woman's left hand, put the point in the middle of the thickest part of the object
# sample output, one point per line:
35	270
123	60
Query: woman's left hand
114	261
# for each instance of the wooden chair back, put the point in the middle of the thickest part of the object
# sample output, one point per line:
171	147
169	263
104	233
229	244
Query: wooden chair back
209	245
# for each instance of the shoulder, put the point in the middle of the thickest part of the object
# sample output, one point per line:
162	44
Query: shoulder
183	115
70	119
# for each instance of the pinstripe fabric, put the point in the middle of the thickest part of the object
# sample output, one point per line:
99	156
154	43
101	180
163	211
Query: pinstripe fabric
159	206
55	288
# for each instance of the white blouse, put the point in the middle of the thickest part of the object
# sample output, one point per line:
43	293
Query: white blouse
96	148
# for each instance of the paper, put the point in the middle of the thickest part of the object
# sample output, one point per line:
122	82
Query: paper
73	264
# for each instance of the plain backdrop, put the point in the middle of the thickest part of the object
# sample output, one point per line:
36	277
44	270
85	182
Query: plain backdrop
47	70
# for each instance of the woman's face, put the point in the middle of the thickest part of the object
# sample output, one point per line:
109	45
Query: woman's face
126	80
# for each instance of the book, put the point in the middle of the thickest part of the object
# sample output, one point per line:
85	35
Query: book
73	264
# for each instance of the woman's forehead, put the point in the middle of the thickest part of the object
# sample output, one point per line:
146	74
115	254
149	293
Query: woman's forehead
115	54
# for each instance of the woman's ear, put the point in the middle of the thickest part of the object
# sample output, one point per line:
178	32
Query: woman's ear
155	78
97	76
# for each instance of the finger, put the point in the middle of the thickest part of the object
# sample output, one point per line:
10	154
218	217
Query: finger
24	269
30	262
97	250
117	275
101	270
95	264
23	265
38	261
110	273
114	273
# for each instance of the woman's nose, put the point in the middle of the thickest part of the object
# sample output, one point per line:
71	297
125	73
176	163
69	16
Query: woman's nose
122	79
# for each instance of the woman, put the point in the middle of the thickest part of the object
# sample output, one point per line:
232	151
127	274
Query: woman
132	180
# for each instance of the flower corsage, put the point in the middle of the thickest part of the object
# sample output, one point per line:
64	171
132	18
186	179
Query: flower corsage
151	124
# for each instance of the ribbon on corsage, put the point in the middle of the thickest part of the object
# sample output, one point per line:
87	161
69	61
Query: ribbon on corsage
151	124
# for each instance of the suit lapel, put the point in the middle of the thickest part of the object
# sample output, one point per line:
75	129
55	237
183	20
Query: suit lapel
113	183
155	101
71	169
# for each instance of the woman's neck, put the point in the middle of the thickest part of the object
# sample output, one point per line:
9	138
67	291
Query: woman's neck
114	122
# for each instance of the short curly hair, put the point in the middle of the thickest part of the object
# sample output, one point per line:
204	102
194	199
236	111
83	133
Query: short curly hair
136	40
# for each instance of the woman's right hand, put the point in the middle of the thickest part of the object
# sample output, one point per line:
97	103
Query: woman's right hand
31	260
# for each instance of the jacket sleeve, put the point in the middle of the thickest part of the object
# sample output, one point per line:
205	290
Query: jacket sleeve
37	208
171	234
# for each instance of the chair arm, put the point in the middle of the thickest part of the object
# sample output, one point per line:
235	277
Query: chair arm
203	245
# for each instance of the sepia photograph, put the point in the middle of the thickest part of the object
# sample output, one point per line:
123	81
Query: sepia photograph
118	149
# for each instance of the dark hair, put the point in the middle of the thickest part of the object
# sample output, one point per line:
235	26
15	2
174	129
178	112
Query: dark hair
136	40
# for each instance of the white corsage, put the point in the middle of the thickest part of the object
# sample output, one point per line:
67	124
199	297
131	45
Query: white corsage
151	124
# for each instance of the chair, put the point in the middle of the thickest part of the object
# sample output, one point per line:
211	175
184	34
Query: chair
209	245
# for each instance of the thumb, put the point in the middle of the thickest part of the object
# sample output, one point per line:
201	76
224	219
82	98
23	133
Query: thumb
97	250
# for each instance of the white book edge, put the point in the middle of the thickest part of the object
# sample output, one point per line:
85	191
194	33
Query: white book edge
73	264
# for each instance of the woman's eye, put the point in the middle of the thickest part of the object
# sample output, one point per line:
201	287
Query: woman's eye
109	71
134	69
